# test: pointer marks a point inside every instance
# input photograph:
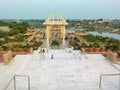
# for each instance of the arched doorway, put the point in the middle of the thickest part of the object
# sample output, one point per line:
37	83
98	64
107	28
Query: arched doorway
55	29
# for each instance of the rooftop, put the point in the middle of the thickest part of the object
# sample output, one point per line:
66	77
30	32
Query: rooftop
55	19
66	71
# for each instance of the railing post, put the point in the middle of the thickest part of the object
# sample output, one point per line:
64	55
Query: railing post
119	81
28	83
100	81
106	75
14	83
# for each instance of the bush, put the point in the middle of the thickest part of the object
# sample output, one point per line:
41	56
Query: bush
5	47
55	42
3	34
83	45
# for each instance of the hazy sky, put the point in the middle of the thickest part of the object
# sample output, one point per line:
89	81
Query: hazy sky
75	9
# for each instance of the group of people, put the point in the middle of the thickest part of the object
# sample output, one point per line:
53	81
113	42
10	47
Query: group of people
42	51
42	54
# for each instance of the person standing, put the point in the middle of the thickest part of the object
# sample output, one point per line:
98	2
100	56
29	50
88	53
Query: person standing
43	55
52	56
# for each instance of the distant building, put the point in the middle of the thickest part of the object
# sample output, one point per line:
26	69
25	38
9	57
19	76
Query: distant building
5	28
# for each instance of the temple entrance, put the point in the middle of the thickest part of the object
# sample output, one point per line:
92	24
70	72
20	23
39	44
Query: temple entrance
54	36
55	31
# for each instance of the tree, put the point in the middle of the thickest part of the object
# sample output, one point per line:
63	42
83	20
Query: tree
13	32
25	24
2	33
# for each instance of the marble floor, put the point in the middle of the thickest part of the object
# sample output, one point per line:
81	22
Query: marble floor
66	71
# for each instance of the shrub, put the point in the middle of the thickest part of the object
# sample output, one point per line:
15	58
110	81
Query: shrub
55	42
5	47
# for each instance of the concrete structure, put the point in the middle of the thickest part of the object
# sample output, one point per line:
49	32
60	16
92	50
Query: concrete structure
66	71
55	29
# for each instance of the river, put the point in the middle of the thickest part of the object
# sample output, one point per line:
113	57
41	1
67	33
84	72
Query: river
110	35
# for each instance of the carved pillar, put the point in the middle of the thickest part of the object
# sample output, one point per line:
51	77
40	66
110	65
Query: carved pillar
63	37
48	37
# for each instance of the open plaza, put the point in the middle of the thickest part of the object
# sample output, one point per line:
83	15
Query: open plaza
65	71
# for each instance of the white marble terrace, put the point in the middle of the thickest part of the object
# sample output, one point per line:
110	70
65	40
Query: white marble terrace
66	71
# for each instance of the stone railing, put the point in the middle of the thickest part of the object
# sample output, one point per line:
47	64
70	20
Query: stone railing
19	51
31	50
94	51
83	51
7	57
118	53
112	56
1	56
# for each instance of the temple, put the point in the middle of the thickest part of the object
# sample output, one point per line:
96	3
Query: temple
55	29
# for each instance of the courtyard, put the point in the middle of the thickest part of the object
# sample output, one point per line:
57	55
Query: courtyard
65	71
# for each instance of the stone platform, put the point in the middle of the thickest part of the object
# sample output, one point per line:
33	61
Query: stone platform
66	71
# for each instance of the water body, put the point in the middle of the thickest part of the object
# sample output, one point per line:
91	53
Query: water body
110	35
71	31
